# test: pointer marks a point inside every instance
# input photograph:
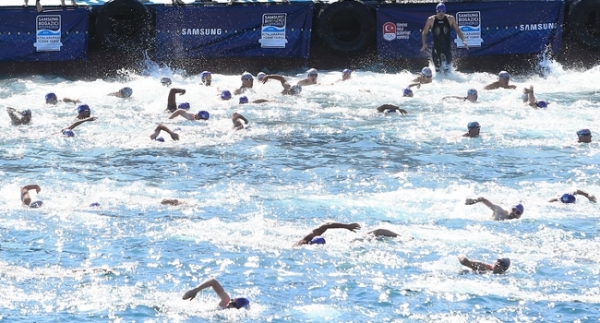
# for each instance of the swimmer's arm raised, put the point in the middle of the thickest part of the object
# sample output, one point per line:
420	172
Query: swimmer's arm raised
216	286
590	197
73	126
321	230
475	265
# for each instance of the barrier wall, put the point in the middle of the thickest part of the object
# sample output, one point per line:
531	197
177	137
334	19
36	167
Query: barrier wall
57	35
490	28
233	31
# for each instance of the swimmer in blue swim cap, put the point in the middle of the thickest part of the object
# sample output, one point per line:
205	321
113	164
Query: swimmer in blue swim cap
237	119
529	98
83	111
247	83
568	198
425	77
499	267
318	232
68	132
51	98
472	96
390	108
287	88
165	81
311	78
226	301
499	214
502	83
162	127
171	102
19	118
584	136
201	115
473	129
26	199
122	93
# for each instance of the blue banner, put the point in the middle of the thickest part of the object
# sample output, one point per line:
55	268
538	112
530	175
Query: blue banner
233	31
490	28
52	35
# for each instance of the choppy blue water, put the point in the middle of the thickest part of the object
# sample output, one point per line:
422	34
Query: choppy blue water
324	156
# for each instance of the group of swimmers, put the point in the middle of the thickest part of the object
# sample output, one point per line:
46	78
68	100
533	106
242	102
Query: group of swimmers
315	237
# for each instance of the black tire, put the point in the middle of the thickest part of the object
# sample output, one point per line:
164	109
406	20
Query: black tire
346	27
584	22
125	25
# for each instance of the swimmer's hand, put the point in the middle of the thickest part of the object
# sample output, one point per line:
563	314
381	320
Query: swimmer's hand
592	198
190	294
182	92
353	227
470	201
174	136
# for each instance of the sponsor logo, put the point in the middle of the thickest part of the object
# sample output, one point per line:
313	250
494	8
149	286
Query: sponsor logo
393	31
542	26
201	31
272	33
469	23
48	30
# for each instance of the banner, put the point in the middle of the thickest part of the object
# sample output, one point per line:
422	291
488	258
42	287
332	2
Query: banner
233	31
490	28
52	35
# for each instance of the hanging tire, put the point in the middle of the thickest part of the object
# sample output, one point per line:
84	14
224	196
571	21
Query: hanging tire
346	27
584	22
124	25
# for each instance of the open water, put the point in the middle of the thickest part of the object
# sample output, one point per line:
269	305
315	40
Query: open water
324	156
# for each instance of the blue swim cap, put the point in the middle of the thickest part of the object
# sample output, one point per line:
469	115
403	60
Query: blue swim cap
312	71
520	208
584	132
204	74
161	139
243	99
36	204
317	240
241	302
347	71
165	81
471	92
184	106
426	71
204	115
51	97
26	112
504	75
95	204
407	92
68	133
126	92
567	198
247	76
542	104
225	95
473	124
525	97
260	76
441	7
83	108
296	89
504	262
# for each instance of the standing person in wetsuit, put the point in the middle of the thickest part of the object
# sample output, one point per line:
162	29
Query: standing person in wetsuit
440	25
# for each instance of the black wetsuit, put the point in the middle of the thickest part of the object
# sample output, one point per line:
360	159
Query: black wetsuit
441	42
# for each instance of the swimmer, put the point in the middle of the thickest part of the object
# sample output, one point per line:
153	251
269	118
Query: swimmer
226	301
83	111
247	83
568	198
346	74
407	92
225	95
206	78
472	130
499	267
68	132
260	76
503	79
237	124
425	77
172	202
51	98
171	102
499	214
287	88
201	115
19	118
243	99
165	81
122	93
162	127
315	236
529	98
471	96
311	78
390	108
26	199
584	136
